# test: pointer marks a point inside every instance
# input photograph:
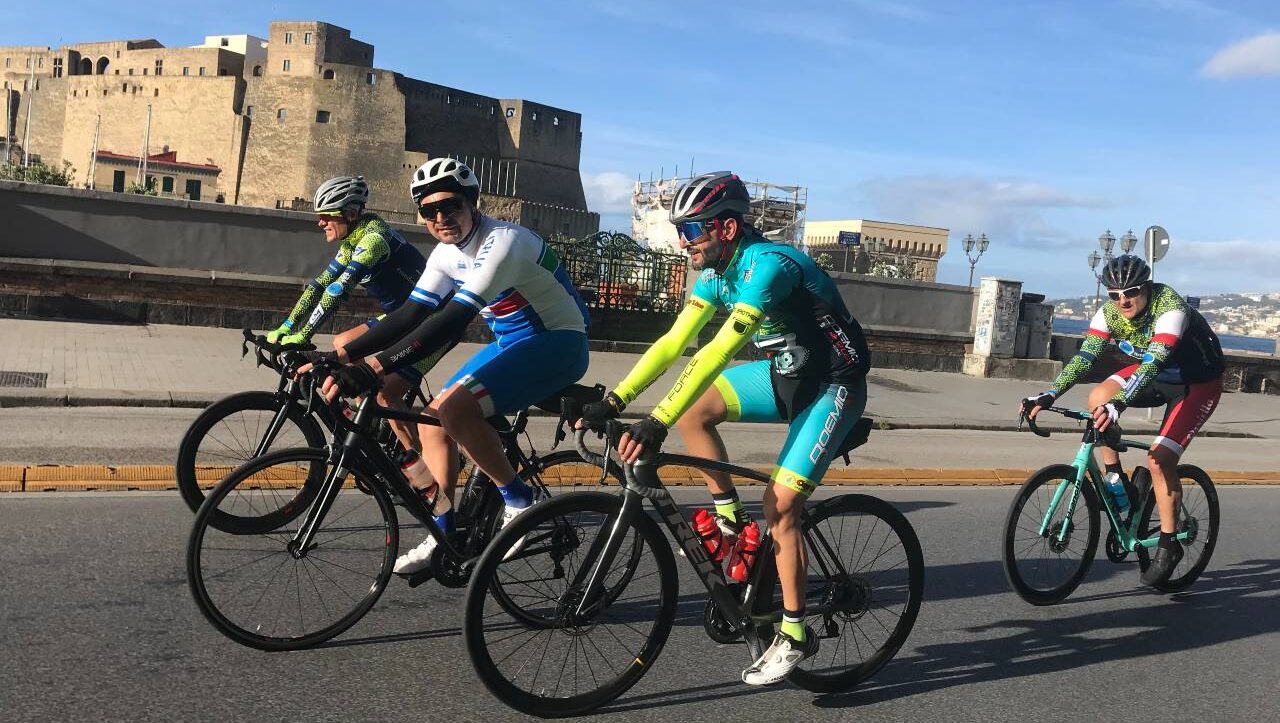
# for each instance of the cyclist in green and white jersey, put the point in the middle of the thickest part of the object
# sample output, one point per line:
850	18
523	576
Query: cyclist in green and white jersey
370	254
1177	363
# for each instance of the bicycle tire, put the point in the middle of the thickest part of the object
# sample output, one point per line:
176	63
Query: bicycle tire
1015	522
873	576
381	539
198	436
608	624
1205	541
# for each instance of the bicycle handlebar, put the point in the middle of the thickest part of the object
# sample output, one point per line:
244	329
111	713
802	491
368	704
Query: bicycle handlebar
1110	438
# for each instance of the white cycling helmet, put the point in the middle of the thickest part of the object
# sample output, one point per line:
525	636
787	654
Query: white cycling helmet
336	194
444	174
709	195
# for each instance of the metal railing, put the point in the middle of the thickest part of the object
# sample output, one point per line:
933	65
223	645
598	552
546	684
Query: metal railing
612	271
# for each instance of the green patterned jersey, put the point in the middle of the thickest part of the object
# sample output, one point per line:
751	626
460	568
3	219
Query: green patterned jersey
1169	342
373	255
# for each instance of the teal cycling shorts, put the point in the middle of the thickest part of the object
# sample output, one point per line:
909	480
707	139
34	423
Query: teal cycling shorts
817	428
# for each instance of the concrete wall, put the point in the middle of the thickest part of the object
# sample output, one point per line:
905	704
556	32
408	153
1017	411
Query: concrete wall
905	304
49	222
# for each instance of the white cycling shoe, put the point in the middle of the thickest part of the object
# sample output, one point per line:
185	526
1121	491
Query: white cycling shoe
509	513
419	558
780	658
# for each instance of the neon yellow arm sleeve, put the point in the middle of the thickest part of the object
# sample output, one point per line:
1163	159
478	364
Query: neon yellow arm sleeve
708	363
666	349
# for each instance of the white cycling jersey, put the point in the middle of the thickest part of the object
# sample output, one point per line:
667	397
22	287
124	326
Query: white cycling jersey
510	275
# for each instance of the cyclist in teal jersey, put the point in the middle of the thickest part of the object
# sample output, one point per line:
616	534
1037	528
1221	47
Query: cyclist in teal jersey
370	254
1177	363
814	378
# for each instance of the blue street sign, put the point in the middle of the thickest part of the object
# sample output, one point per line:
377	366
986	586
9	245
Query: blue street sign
850	238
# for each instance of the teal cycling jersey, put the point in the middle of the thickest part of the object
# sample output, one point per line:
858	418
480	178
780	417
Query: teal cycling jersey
807	331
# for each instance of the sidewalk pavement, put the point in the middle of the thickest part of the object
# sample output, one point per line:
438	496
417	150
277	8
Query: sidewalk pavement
185	366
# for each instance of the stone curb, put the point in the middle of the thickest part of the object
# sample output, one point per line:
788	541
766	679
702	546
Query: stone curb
82	478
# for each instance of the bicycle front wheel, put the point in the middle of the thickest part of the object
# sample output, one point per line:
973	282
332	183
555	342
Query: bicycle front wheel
561	657
1045	567
231	430
1198	514
271	590
862	593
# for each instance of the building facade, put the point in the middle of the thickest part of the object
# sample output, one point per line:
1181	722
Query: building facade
278	116
917	248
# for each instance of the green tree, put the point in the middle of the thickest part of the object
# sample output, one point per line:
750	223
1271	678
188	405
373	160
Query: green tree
138	188
825	262
39	173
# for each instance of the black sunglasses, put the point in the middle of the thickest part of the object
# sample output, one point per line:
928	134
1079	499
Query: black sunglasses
1129	293
448	207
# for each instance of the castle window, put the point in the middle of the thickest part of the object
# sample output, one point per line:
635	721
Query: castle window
202	71
322	116
285	67
370	78
225	42
130	71
124	87
157	93
186	70
159	67
555	120
511	112
534	115
144	71
248	111
57	67
288	38
328	74
257	71
282	114
306	38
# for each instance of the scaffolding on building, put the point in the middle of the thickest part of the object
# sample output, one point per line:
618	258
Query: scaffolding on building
777	210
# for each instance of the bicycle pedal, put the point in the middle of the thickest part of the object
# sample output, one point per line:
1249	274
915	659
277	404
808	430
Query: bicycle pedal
416	578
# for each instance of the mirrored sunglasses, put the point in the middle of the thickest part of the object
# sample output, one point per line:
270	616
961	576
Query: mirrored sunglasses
448	207
1129	293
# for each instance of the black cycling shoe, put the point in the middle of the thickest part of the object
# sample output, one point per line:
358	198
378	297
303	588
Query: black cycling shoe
1162	564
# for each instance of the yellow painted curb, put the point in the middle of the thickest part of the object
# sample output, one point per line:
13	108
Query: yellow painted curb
36	478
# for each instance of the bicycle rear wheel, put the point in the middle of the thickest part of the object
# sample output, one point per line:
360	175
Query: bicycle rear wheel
566	662
1199	514
1042	569
259	589
226	435
863	590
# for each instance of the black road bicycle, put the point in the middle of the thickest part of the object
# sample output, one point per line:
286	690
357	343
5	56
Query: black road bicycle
245	425
592	614
276	562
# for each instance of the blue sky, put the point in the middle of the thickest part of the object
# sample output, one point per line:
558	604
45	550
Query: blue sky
1038	123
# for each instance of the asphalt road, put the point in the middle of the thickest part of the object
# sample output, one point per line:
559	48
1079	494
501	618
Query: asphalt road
96	623
143	435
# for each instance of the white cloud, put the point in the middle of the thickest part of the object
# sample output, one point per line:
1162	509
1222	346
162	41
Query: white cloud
1221	266
1249	58
608	192
1011	210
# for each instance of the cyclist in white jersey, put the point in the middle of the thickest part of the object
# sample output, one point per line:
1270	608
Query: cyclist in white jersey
510	277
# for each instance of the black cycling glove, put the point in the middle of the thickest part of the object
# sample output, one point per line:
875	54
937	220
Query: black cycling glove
356	379
649	432
1043	400
608	408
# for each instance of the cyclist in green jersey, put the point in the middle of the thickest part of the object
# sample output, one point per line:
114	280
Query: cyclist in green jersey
814	378
370	254
1177	363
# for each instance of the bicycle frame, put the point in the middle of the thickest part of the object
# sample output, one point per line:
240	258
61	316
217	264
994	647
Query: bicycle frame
642	482
1087	467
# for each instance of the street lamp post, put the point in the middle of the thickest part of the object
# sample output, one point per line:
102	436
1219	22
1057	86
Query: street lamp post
969	243
1094	259
1128	241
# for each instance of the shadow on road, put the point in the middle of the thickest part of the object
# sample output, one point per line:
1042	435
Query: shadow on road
1223	605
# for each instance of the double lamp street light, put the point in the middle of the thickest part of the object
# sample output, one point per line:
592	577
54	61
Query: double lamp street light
1106	242
969	243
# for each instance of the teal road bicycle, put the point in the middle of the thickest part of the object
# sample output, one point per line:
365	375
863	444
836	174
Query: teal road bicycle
1052	530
